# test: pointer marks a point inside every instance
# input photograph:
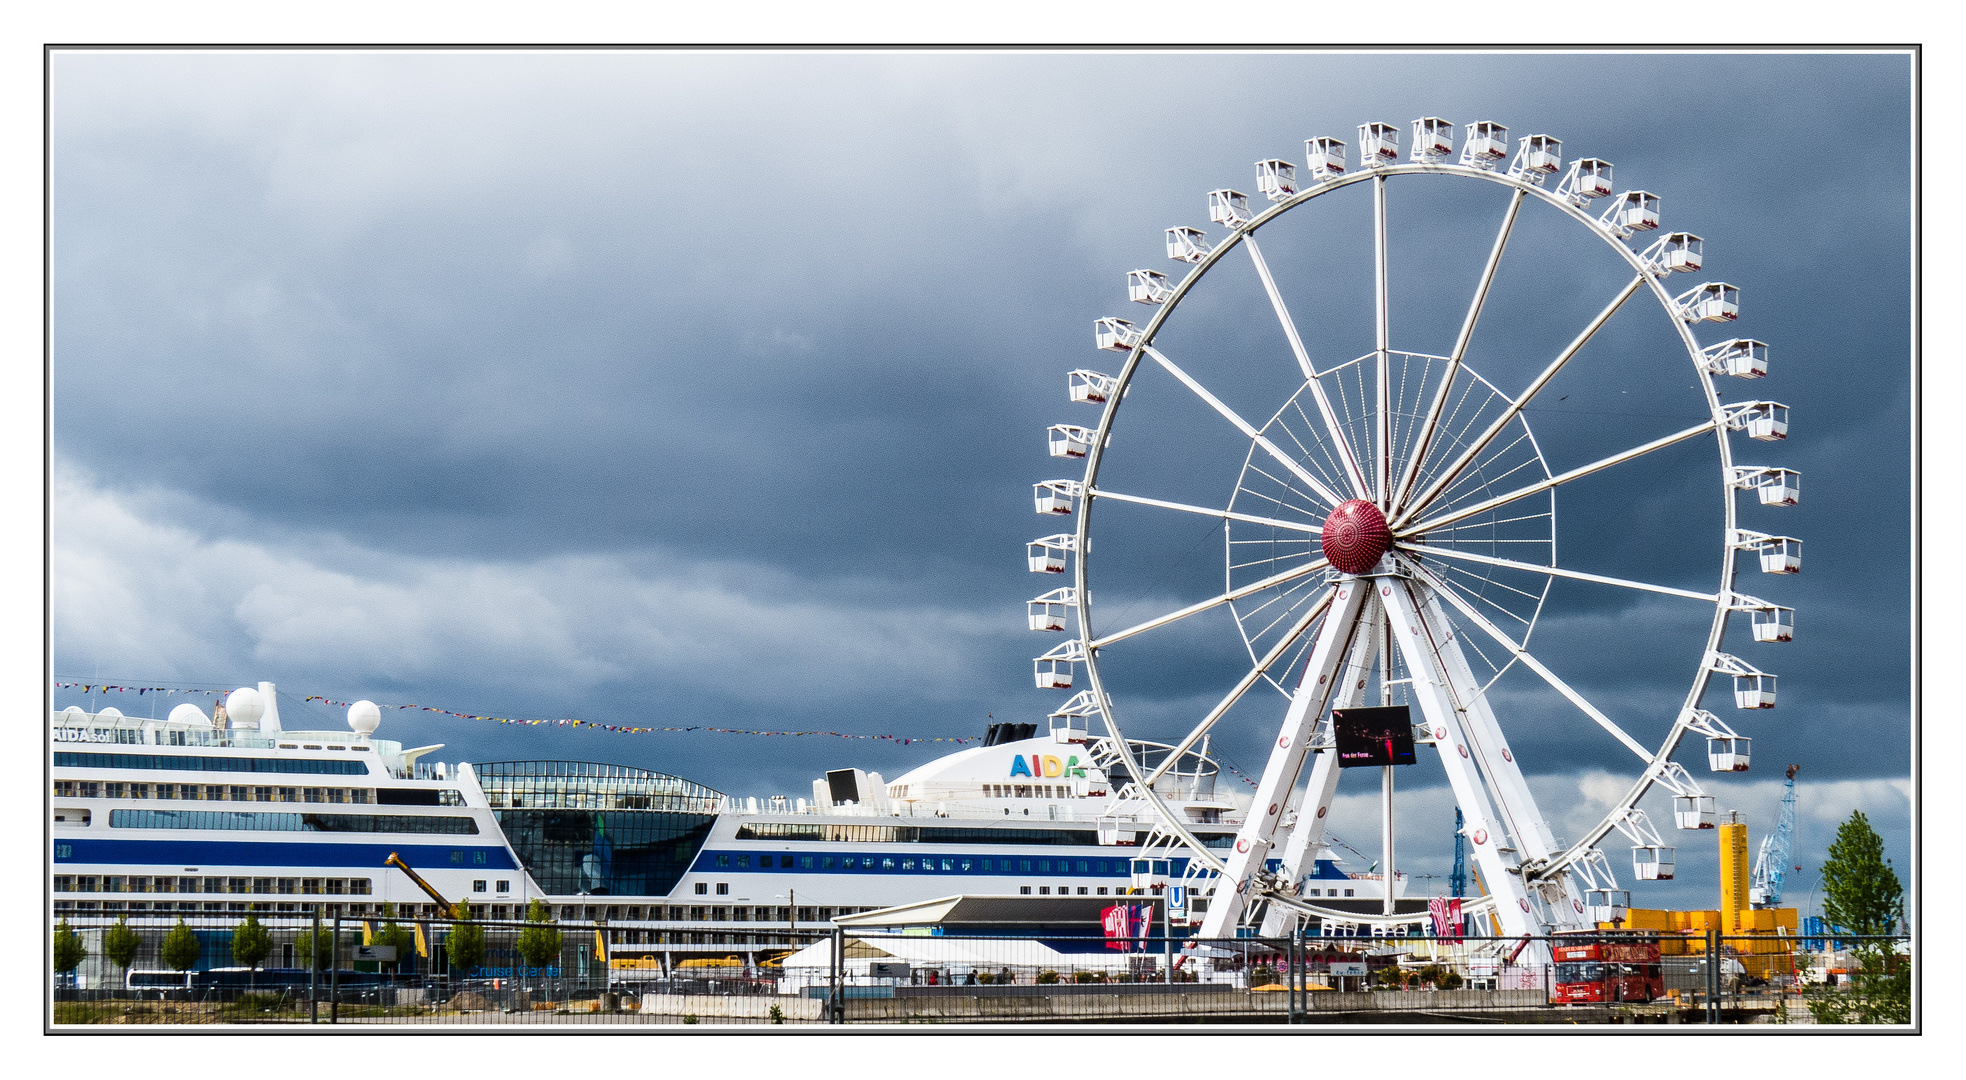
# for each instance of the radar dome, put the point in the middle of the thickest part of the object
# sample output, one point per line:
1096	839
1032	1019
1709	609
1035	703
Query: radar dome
364	717
188	713
110	711
244	707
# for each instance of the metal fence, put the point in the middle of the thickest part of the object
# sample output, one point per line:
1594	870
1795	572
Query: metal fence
663	975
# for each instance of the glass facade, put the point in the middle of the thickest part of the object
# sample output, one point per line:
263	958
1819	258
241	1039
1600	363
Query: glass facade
582	827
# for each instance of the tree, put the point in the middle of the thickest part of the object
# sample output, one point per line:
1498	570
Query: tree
466	943
251	944
120	944
69	950
180	949
1862	896
1861	892
539	944
319	946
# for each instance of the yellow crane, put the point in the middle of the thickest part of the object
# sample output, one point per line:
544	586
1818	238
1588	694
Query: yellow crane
396	861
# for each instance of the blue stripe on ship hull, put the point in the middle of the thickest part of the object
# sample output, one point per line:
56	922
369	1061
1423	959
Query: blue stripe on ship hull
250	853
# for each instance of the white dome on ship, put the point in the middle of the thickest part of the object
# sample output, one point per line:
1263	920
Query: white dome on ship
244	707
364	717
110	710
188	713
74	712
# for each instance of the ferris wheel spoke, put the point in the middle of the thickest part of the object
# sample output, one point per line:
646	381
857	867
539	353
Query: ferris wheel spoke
1243	426
1382	439
1249	679
1474	450
1528	660
1558	480
1214	602
1552	571
1230	515
1423	440
1332	428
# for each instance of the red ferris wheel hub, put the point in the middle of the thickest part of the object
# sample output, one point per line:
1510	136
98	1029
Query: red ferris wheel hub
1355	536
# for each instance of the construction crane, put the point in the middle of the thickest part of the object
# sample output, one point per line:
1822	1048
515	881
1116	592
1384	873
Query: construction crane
1771	863
396	861
1457	885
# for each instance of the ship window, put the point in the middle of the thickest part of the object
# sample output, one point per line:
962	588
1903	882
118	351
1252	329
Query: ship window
505	886
723	888
1024	865
907	864
702	888
251	821
1313	892
744	862
968	864
1101	891
986	865
171	763
826	863
948	864
1044	890
1023	890
1348	892
288	886
805	862
1044	866
887	864
723	861
785	861
478	885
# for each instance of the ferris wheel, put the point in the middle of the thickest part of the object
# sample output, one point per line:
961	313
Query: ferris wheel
1388	515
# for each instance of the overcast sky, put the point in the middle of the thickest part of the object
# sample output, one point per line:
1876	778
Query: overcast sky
686	389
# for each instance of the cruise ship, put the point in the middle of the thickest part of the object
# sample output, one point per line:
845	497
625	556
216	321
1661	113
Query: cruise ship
209	814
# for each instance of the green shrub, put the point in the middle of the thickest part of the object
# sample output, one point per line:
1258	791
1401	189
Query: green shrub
69	950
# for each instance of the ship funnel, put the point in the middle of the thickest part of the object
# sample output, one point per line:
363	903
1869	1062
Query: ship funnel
270	719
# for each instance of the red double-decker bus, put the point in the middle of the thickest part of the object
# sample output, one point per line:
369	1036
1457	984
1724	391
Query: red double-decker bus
1607	966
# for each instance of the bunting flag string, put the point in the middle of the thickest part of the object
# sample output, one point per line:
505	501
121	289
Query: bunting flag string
624	729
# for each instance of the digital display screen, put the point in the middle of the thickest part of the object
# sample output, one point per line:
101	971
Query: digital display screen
1377	736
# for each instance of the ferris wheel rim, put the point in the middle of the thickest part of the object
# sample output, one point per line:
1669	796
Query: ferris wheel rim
1659	762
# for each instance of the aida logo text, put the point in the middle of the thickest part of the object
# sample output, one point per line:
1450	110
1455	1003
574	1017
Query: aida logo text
1045	765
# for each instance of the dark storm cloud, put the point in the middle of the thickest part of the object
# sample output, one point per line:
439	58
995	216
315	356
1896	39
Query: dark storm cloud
705	385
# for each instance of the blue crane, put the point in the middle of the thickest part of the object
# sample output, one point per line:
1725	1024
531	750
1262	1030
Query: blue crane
1458	884
1771	863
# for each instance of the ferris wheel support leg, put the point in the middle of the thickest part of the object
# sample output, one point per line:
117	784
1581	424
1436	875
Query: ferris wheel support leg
1307	835
1433	691
1524	820
1350	604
